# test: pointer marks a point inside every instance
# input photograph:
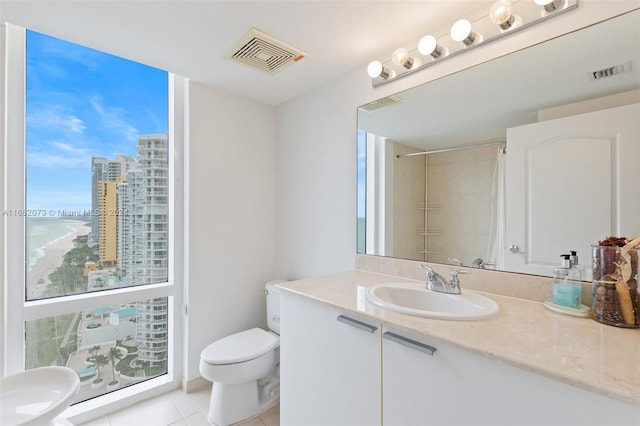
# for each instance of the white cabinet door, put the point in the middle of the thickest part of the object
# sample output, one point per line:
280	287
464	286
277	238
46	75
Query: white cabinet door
329	366
456	387
596	153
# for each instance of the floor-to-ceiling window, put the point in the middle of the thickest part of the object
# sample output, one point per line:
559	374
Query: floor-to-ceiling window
90	215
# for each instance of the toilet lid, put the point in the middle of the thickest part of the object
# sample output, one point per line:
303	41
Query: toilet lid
239	347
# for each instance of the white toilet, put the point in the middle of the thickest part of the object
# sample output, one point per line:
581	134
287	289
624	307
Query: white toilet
245	368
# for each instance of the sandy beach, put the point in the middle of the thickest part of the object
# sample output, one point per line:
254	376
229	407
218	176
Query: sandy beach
38	276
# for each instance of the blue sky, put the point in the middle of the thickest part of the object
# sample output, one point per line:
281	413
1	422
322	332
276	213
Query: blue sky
82	103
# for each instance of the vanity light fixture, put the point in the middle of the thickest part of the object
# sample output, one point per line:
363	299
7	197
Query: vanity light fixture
501	14
504	17
461	31
376	69
550	6
428	45
401	58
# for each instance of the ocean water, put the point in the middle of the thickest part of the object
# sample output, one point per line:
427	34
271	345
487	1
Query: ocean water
42	232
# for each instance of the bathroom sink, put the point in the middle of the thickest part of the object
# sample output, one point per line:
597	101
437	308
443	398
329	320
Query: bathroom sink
37	396
415	299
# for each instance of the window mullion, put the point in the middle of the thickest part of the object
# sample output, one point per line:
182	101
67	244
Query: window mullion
14	181
87	301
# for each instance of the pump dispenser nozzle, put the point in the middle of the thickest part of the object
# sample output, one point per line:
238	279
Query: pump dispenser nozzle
574	257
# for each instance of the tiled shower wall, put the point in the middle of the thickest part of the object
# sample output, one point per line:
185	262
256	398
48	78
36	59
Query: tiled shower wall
454	220
459	187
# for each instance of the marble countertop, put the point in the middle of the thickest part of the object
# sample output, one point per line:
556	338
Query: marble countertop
578	351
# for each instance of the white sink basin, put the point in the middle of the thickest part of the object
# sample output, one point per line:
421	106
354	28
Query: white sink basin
35	397
415	299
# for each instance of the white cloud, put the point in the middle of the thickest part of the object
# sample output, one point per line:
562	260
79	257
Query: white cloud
56	154
113	119
52	117
69	148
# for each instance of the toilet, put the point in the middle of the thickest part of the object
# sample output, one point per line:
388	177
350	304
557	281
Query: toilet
245	368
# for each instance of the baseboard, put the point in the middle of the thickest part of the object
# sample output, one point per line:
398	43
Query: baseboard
196	384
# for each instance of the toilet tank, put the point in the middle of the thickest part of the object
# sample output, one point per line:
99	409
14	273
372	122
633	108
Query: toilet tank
273	305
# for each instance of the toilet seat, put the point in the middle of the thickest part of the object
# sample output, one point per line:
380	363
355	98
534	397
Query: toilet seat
240	347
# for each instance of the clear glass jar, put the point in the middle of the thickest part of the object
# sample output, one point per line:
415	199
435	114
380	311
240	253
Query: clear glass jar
615	286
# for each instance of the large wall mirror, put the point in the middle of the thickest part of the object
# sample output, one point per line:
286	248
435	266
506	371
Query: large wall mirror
512	163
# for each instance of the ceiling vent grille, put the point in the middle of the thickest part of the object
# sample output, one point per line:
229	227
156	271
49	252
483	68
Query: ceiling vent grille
610	71
381	103
263	52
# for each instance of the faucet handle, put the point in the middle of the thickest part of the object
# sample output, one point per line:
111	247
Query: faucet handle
455	272
454	282
454	261
428	268
431	273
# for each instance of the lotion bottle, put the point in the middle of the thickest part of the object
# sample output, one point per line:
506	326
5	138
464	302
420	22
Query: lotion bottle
565	292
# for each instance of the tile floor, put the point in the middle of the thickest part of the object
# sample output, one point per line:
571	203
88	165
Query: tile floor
177	408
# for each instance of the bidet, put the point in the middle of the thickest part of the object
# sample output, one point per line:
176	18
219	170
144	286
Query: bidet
35	397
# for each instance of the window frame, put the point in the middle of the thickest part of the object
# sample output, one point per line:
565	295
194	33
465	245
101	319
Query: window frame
17	310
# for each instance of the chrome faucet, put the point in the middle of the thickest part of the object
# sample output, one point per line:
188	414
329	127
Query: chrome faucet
437	282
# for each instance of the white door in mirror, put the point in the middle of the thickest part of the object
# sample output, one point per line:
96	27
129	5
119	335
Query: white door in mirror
548	164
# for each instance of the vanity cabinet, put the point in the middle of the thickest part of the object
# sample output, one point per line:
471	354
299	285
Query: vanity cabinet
452	386
329	365
338	372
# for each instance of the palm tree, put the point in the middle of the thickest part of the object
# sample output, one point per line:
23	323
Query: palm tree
99	361
113	355
93	351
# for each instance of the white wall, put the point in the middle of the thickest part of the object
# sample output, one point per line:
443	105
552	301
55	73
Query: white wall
231	217
316	148
316	184
2	237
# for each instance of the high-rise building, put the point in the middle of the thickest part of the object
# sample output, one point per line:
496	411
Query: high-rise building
102	170
107	223
125	221
150	207
147	204
151	331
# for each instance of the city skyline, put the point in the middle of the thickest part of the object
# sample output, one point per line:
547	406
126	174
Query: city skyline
82	103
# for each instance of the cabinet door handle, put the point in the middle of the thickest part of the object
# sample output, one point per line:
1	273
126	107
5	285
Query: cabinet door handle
357	324
429	350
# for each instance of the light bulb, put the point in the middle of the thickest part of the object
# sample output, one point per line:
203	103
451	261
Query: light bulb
461	31
502	14
429	46
375	69
549	5
401	58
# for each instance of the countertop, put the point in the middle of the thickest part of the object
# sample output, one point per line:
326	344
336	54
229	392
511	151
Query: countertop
578	351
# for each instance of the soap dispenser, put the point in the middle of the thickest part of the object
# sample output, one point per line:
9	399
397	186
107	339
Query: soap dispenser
565	292
577	271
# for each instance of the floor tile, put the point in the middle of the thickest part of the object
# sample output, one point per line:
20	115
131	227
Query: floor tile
160	411
272	416
177	408
198	419
191	403
255	421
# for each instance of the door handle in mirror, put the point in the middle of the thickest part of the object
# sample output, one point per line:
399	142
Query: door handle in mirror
513	248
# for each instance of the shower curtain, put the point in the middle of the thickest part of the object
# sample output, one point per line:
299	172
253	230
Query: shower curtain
495	249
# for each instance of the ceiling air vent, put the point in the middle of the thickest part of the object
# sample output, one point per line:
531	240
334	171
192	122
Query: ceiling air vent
263	52
610	71
381	103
